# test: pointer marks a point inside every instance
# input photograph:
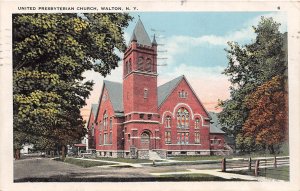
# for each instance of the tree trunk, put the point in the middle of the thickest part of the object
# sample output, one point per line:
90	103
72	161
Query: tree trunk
271	149
17	154
63	154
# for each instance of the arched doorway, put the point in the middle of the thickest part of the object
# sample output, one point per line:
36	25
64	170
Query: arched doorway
145	140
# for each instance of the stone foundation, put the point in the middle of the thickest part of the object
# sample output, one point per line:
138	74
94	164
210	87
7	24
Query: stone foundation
110	154
221	153
143	154
188	153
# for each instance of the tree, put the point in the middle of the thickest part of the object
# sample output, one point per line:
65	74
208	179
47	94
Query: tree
268	116
50	54
250	66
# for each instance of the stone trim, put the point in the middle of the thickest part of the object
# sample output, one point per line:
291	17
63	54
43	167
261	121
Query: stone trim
141	121
184	144
140	112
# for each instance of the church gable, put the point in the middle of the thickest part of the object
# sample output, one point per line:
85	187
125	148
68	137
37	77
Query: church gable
92	115
115	93
179	92
111	99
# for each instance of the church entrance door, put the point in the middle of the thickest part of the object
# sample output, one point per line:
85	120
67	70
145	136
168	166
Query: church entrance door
145	140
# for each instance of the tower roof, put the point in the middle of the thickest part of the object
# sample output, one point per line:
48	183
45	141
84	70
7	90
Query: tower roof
140	35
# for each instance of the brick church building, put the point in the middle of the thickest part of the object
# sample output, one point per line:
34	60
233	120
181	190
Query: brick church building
137	118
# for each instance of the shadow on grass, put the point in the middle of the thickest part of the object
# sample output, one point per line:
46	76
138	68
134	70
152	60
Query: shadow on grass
169	178
83	163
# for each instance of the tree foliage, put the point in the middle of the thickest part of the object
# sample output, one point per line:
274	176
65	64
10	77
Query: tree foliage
250	66
50	54
267	121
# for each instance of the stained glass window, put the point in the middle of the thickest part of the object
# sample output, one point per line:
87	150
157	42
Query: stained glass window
182	118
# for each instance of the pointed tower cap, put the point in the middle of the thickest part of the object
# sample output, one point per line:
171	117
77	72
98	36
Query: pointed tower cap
140	35
133	38
154	43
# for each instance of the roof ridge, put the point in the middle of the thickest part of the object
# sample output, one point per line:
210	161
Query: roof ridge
166	89
172	80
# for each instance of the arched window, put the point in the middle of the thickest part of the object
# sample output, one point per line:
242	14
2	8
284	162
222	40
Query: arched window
126	68
140	63
110	123
92	130
168	122
197	123
129	66
183	118
105	120
148	66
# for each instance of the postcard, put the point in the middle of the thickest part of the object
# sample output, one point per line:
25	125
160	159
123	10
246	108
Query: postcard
149	95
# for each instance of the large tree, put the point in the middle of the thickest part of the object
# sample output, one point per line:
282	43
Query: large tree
250	66
50	54
267	120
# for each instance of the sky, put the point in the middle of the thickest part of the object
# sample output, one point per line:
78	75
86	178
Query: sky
191	44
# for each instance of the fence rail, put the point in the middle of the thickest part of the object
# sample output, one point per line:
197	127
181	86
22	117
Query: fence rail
258	166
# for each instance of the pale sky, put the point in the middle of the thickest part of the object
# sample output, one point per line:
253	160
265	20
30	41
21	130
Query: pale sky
193	44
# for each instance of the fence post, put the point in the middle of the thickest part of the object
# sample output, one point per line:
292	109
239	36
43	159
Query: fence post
256	168
223	165
275	162
249	167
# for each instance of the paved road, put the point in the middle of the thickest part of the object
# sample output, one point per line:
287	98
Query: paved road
45	169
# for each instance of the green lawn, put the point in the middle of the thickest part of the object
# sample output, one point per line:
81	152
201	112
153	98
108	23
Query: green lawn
254	155
195	158
85	163
124	160
280	173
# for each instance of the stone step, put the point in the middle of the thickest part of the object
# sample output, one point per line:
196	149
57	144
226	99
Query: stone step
154	156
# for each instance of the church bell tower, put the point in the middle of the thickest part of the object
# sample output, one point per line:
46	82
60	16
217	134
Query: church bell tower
140	92
140	73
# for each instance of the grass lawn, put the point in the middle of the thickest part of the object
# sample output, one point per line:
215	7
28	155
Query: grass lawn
124	160
195	158
254	155
85	163
194	177
280	173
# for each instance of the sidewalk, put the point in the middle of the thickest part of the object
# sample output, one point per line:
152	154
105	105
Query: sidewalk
216	172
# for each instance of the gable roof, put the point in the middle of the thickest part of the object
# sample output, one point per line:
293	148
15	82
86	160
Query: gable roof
215	126
140	35
163	91
115	92
94	109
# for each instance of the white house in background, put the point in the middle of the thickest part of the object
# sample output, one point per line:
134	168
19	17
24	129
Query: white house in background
26	148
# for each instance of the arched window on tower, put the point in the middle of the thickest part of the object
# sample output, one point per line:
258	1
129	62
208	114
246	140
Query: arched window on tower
148	66
129	69
126	68
140	63
182	118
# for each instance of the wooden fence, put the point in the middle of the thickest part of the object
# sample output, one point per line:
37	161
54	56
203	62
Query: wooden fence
258	166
